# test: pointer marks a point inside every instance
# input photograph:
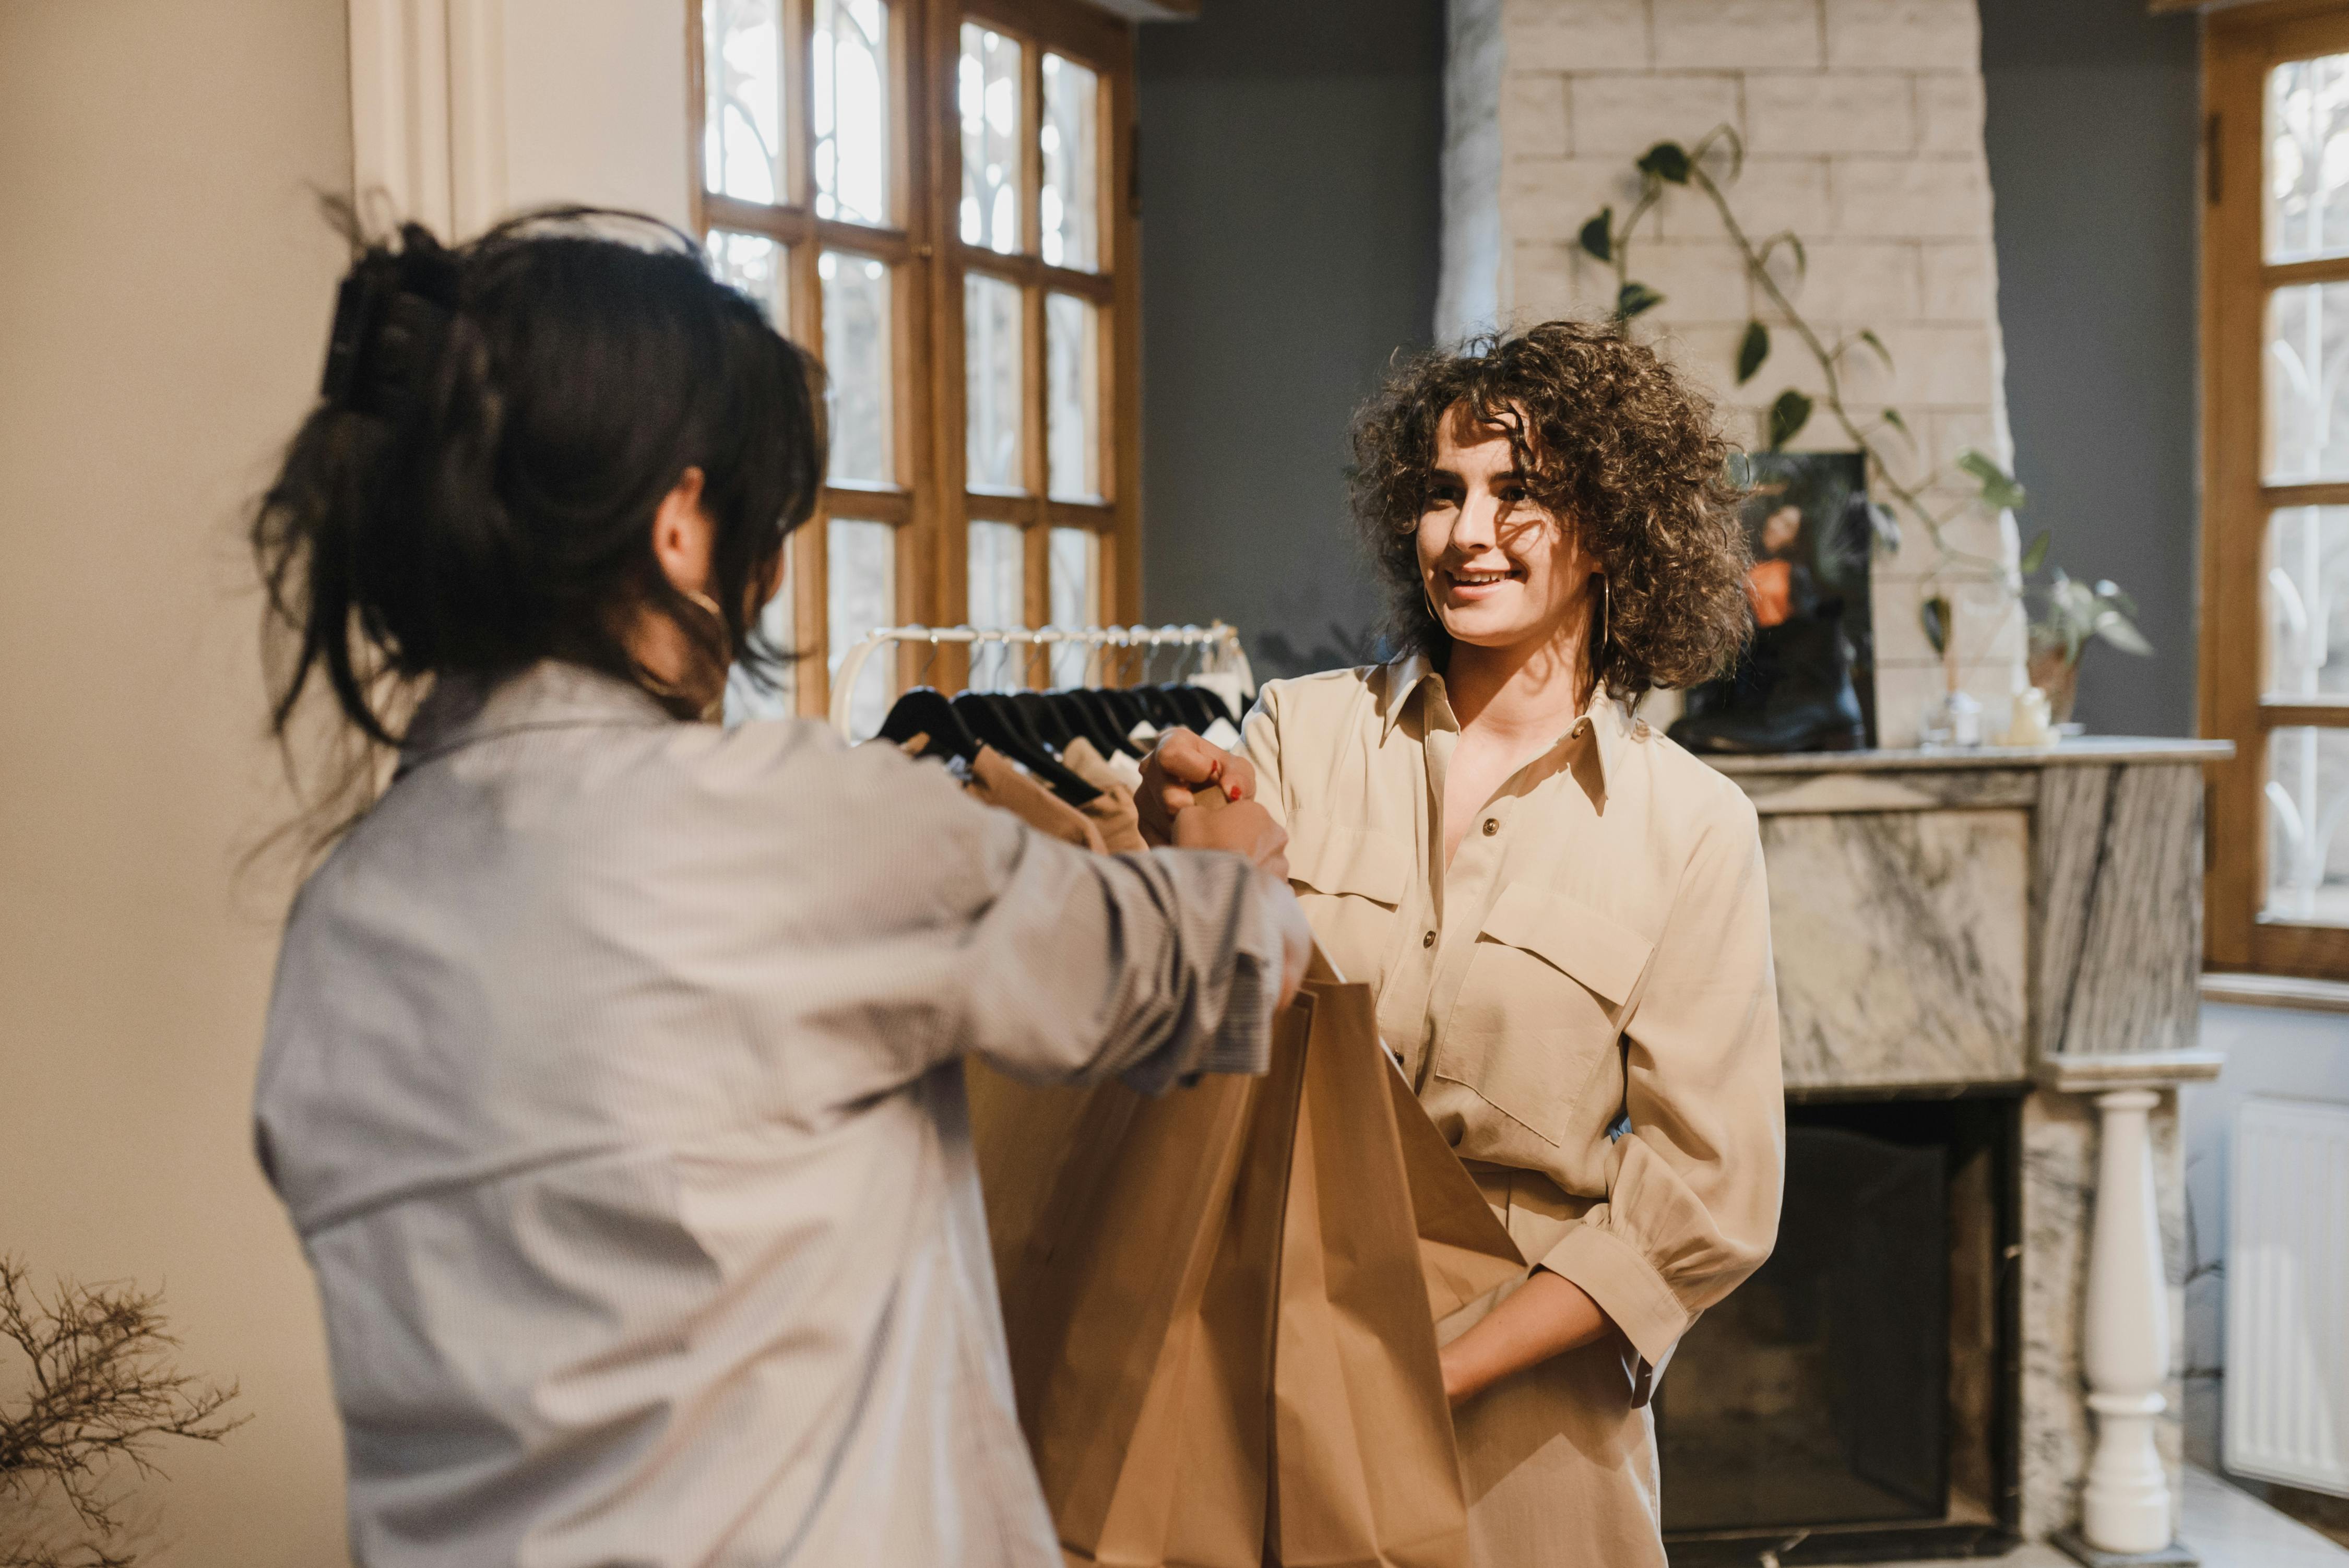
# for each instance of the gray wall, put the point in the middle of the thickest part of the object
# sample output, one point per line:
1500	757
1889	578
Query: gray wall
1289	248
2092	129
1289	241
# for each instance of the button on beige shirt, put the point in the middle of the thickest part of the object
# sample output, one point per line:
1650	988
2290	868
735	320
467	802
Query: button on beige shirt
614	1081
1583	1000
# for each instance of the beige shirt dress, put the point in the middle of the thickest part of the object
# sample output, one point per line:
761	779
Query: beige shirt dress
1584	1001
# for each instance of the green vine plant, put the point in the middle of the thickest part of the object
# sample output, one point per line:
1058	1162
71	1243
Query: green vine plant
1609	239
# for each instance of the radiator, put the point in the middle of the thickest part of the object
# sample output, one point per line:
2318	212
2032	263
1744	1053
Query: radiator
2288	1294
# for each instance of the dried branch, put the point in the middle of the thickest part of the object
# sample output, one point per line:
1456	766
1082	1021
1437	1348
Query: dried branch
99	1389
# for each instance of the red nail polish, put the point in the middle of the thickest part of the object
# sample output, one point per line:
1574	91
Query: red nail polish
1233	791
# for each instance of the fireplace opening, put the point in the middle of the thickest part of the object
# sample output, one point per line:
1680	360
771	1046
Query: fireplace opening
1856	1398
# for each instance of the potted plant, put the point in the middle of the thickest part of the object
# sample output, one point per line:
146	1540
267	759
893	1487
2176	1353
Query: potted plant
2067	615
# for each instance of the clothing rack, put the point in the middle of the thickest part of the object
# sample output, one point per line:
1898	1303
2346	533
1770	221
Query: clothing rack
1220	642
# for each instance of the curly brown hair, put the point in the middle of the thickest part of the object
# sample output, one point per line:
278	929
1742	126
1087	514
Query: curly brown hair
1611	442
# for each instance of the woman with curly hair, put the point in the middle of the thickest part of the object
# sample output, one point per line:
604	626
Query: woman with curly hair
1563	912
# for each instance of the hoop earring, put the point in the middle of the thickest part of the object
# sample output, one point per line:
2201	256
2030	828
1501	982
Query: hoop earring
706	602
1597	647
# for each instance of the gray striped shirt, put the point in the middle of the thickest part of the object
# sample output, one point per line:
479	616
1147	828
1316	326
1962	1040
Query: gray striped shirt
614	1083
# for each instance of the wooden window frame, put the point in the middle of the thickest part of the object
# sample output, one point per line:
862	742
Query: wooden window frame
2239	47
931	508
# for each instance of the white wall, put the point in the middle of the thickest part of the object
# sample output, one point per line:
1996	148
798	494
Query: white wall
165	285
2271	1051
594	105
466	110
1862	122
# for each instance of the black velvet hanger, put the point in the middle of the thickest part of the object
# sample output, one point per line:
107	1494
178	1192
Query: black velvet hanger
1159	707
1124	707
925	710
1081	719
1198	708
1100	723
1044	716
1016	720
1215	704
994	719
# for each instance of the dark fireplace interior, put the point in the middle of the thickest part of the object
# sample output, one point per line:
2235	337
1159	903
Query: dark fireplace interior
1856	1398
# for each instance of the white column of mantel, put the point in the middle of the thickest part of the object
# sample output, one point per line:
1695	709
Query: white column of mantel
2126	1506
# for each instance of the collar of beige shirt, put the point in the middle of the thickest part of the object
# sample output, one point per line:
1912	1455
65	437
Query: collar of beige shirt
1609	721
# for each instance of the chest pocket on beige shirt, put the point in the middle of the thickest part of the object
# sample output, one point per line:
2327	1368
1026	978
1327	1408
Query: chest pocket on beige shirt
1536	1018
1350	880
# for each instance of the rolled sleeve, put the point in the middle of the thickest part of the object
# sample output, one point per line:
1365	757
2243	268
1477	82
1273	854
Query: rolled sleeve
1693	1188
1150	967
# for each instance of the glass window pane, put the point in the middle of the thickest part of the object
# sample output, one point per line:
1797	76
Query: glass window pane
1065	207
851	104
987	92
998	597
759	267
742	124
1072	397
747	698
2307	591
990	337
2308	857
856	355
2307	156
2306	355
860	598
1073	584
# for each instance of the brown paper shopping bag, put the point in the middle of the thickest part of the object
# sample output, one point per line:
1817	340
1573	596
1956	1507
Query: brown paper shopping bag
1140	1321
1365	1470
1221	1304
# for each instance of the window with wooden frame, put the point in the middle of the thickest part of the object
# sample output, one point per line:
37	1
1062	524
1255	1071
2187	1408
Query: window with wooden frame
934	196
2275	356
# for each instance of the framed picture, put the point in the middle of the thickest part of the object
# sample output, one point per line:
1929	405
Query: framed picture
1807	681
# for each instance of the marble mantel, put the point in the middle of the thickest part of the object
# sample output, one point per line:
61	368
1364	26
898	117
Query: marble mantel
1983	917
1951	919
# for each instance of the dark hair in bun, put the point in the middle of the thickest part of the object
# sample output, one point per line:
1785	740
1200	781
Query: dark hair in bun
499	422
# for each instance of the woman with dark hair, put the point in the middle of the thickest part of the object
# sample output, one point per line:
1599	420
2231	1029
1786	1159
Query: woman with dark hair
1562	911
614	1069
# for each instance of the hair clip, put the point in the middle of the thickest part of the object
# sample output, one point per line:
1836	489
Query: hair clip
392	312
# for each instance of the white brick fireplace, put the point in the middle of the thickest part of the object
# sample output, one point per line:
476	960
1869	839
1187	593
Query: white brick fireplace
1862	121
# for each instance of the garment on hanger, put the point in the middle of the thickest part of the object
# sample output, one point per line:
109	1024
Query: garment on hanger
996	719
994	779
1114	813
